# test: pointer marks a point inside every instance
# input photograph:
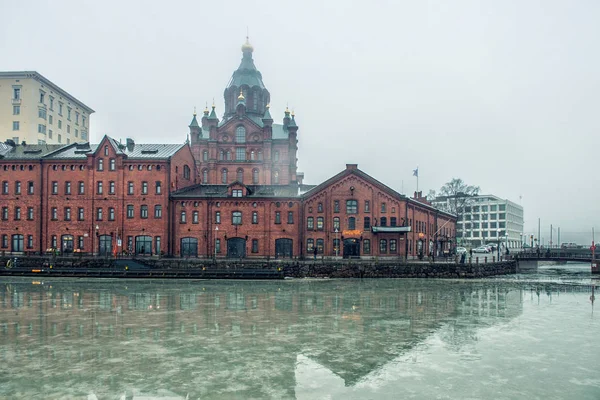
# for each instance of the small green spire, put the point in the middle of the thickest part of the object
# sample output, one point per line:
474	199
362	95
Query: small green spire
213	114
293	120
267	115
194	123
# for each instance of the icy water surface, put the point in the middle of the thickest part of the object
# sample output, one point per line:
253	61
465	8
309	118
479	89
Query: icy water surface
527	336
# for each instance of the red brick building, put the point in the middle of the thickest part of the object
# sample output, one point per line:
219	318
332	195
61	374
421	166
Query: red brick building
233	191
87	198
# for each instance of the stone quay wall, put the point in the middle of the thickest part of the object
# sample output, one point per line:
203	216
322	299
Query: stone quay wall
289	268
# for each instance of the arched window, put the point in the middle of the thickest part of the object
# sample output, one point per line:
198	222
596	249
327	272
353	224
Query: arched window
276	177
105	150
186	172
100	164
336	224
259	155
205	155
240	175
252	155
205	176
224	175
351	223
228	154
255	176
221	155
383	221
310	245
240	134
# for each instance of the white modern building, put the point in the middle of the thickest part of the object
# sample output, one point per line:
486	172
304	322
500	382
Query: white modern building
36	111
488	219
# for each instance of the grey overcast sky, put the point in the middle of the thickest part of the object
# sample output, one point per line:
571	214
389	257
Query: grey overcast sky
503	94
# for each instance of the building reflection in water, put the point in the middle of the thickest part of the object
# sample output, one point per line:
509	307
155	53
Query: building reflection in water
210	339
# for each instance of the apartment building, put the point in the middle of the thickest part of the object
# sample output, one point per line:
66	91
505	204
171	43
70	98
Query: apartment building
36	111
488	219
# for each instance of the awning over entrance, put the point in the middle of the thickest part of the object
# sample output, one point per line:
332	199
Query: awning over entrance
390	229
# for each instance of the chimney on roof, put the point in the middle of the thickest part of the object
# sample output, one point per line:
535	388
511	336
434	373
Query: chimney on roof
130	144
300	177
23	143
10	142
351	166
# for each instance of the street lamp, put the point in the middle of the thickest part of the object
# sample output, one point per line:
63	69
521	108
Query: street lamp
521	239
98	238
337	241
498	249
216	233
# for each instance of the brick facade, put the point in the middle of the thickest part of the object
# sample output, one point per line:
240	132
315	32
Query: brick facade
178	200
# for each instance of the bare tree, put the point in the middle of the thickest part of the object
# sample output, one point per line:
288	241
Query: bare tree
458	195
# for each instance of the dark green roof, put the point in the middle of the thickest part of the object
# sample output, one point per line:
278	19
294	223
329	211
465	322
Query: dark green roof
246	74
194	123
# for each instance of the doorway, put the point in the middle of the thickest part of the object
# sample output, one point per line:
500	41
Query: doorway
236	248
351	248
283	248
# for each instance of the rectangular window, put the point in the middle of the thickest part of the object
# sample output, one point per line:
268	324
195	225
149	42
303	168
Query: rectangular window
218	245
502	216
320	223
42	95
277	217
68	128
4	213
16	93
158	187
130	213
49	133
5	187
393	246
290	217
217	217
310	223
18	213
393	221
236	193
16	110
240	154
336	206
76	118
157	245
195	217
382	246
80	214
77	135
112	163
383	207
99	214
69	113
54	213
67	213
42	113
30	213
81	187
310	245
99	185
54	242
366	246
158	211
255	245
367	224
30	241
351	206
351	223
144	211
16	126
129	187
111	187
255	217
80	242
51	103
30	187
42	129
111	214
4	241
59	124
18	187
144	187
236	218
336	224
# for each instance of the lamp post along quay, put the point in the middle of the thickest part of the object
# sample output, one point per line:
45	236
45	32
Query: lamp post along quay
216	234
98	240
337	240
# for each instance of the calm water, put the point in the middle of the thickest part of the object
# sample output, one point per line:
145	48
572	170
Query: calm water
528	336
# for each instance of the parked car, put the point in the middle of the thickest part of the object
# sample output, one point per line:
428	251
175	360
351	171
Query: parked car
461	250
482	249
570	245
492	246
